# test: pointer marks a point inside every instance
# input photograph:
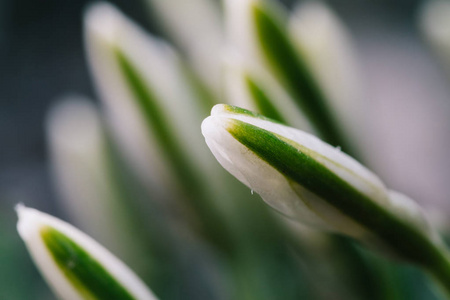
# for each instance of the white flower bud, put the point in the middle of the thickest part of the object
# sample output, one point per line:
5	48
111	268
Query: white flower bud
74	265
309	180
148	101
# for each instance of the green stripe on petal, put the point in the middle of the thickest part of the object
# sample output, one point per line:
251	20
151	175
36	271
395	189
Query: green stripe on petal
187	175
73	264
231	109
262	100
295	164
86	274
282	58
156	121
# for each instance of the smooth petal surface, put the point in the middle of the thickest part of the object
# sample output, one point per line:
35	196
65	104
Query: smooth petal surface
155	117
195	25
74	265
76	144
324	41
259	30
303	177
241	30
149	103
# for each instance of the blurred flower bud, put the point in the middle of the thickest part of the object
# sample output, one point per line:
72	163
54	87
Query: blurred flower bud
320	36
260	32
195	26
74	265
154	115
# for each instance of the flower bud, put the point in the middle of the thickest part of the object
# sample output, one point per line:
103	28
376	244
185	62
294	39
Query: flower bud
310	181
74	265
260	32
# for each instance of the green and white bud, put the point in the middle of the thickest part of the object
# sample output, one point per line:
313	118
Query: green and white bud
73	264
223	132
325	42
316	184
149	104
259	31
155	117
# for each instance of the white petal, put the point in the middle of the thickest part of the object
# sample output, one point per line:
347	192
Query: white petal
104	27
30	224
290	198
196	26
327	46
318	185
336	161
81	171
106	30
254	172
76	145
240	31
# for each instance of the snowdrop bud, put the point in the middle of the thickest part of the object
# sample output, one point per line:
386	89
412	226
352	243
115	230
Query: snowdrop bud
147	98
322	38
74	265
260	32
308	180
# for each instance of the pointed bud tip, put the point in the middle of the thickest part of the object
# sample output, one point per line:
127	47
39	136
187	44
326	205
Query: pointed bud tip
221	117
38	230
218	109
27	220
212	125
